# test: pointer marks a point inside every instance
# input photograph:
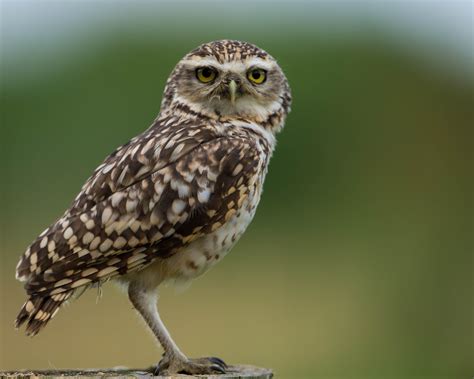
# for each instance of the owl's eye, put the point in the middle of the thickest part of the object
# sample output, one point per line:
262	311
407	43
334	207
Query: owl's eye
206	74
257	75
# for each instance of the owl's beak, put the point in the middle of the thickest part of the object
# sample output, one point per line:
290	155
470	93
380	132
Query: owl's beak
232	91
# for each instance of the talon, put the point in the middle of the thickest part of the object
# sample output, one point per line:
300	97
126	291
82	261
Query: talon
157	371
218	362
219	369
161	367
199	366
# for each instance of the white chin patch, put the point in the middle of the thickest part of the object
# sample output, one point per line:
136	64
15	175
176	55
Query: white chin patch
245	106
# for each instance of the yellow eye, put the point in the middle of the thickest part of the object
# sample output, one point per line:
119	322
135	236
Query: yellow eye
257	75
206	74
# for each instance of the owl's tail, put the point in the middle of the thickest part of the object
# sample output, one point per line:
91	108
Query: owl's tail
38	310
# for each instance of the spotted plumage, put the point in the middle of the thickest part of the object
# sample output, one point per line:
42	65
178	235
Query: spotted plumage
174	200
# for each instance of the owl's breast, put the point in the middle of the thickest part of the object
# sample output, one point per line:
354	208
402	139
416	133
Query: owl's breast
235	210
200	255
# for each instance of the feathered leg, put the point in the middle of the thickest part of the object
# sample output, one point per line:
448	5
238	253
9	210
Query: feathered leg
174	361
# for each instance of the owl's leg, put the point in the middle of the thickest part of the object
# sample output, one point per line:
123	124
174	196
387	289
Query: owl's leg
173	361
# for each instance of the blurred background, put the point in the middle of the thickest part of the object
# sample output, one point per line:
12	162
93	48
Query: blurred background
359	260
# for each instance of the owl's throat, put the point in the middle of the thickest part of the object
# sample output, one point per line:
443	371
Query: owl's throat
269	115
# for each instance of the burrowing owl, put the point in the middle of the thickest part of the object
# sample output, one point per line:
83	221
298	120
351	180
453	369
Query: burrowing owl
170	203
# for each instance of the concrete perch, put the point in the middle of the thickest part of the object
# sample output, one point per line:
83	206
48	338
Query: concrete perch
235	372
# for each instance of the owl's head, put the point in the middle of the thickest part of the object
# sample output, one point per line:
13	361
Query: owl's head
229	78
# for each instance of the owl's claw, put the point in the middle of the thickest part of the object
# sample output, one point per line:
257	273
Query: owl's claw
218	362
190	366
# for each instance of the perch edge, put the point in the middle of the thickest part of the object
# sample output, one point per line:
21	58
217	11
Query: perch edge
235	372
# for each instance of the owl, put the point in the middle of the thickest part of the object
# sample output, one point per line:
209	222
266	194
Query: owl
169	204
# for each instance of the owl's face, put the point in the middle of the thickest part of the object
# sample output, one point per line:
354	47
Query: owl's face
230	78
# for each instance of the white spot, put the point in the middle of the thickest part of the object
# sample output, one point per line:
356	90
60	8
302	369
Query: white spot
54	313
90	224
166	177
212	176
106	214
55	292
109	229
62	282
89	271
148	146
135	257
115	198
59	297
177	150
43	242
82	252
68	233
107	168
131	205
94	254
172	216
170	143
119	242
178	206
132	242
29	306
87	238
183	190
40	315
204	195
188	176
113	261
159	187
134	226
157	151
80	282
120	226
51	246
95	242
104	246
106	271
237	169
33	258
135	149
44	232
122	175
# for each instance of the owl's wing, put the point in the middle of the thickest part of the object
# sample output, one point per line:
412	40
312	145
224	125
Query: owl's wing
152	215
162	144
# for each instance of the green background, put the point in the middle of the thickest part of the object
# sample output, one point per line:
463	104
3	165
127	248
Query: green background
359	260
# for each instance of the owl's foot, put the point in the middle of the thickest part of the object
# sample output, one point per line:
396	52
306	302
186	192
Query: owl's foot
190	366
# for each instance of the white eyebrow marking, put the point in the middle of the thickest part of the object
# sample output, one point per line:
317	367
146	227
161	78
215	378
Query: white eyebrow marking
236	66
